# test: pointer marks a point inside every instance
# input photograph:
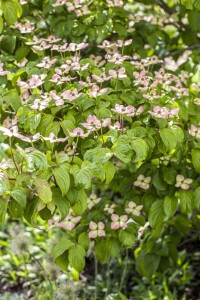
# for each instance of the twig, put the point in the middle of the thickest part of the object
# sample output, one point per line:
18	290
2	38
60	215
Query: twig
164	6
42	268
108	279
124	271
96	273
192	47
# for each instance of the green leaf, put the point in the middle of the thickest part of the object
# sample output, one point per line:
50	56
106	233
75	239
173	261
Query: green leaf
168	138
67	125
81	203
79	29
77	257
45	121
137	131
191	4
32	121
20	196
113	247
196	159
127	238
36	160
122	297
101	252
61	202
186	201
44	211
169	175
82	176
1	24
84	103
110	171
156	214
158	182
84	241
52	128
62	245
3	209
122	149
43	189
15	209
10	12
197	198
62	178
178	133
98	171
13	99
8	43
4	183
147	263
140	148
150	142
170	206
31	211
21	53
101	155
62	261
193	18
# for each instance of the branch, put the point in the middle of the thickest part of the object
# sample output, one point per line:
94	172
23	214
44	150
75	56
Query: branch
164	6
192	47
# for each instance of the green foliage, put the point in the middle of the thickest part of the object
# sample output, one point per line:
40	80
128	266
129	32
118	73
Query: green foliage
62	178
99	130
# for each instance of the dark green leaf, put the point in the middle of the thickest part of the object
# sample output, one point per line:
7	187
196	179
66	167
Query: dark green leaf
43	189
62	178
156	214
61	246
77	257
170	206
20	196
186	201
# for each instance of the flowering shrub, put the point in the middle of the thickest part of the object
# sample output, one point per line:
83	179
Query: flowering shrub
98	141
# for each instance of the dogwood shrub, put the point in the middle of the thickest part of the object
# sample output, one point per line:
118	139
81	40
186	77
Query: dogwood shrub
101	143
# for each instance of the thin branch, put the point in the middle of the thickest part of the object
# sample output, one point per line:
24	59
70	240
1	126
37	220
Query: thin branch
177	52
164	6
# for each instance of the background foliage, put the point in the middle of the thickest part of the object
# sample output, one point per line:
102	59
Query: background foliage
100	143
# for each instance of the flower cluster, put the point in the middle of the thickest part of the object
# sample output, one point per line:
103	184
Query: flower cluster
164	112
149	86
129	111
92	123
133	208
143	182
118	221
77	6
93	200
194	131
13	132
96	229
183	182
26	27
78	132
109	208
33	82
68	223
